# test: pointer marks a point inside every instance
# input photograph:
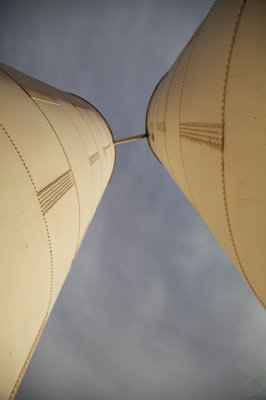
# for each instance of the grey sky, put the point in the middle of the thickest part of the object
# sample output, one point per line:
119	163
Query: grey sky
152	308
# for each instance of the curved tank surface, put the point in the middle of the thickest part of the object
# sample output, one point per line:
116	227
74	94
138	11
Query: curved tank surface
57	157
206	123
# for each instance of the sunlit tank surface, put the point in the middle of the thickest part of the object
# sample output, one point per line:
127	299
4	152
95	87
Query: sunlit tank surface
206	123
57	157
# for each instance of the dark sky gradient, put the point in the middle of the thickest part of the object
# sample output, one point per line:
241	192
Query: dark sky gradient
152	308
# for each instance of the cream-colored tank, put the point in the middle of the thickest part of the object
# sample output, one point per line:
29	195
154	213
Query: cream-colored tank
57	157
206	123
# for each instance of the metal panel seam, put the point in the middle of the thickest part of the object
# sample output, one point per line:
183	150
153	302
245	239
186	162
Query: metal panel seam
25	365
82	141
170	83
222	154
179	111
22	372
80	112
